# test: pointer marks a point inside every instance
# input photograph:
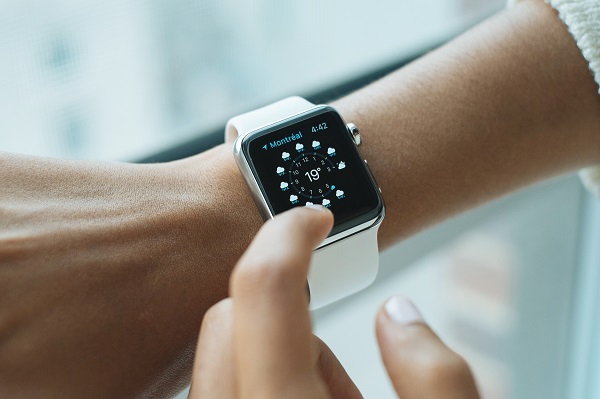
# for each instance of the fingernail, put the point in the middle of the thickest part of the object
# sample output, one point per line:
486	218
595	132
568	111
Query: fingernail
316	207
402	311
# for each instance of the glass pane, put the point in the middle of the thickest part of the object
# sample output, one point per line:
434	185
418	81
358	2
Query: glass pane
122	79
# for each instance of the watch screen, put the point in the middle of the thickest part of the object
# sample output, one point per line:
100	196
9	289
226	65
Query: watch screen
313	161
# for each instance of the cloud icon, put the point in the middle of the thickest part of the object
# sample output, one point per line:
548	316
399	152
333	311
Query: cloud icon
342	165
280	170
283	185
299	147
316	144
339	193
330	151
285	155
326	202
293	198
309	203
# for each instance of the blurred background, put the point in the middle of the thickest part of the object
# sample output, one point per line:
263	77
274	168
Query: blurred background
122	79
513	286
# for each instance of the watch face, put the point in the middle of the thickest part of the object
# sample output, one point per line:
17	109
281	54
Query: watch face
312	159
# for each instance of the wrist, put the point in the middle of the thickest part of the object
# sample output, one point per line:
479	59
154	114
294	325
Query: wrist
224	210
132	255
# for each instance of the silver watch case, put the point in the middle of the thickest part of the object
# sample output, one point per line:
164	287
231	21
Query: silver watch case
258	196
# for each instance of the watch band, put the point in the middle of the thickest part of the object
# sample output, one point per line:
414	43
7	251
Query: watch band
342	267
267	115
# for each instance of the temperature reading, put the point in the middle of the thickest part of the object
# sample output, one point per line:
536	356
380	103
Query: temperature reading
313	174
310	175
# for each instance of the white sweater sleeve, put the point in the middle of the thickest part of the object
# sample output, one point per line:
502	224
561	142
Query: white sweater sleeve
582	18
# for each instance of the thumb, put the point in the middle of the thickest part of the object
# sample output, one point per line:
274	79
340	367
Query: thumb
419	364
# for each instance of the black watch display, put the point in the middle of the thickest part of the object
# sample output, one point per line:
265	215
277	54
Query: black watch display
312	159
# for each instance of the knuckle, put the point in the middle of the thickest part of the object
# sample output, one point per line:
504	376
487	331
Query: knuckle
269	275
325	359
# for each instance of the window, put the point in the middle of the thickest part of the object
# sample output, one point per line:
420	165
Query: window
124	79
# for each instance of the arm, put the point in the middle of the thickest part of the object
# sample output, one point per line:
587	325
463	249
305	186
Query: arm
106	295
106	270
506	104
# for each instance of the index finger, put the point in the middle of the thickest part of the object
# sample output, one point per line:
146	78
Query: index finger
272	327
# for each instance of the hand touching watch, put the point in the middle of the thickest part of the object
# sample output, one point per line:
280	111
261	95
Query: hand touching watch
259	344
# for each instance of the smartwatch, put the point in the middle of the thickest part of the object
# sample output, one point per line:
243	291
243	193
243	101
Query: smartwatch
293	153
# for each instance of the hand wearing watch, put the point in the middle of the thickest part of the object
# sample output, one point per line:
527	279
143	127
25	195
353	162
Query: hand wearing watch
294	153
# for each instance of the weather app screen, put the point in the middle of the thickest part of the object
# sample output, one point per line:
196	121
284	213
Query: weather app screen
314	162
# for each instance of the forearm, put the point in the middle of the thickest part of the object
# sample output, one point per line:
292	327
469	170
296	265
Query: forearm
106	270
504	105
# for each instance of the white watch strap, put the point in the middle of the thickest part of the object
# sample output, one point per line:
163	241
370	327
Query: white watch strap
272	113
341	268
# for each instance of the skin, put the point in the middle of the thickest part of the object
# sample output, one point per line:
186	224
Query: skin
107	269
509	103
259	344
99	263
